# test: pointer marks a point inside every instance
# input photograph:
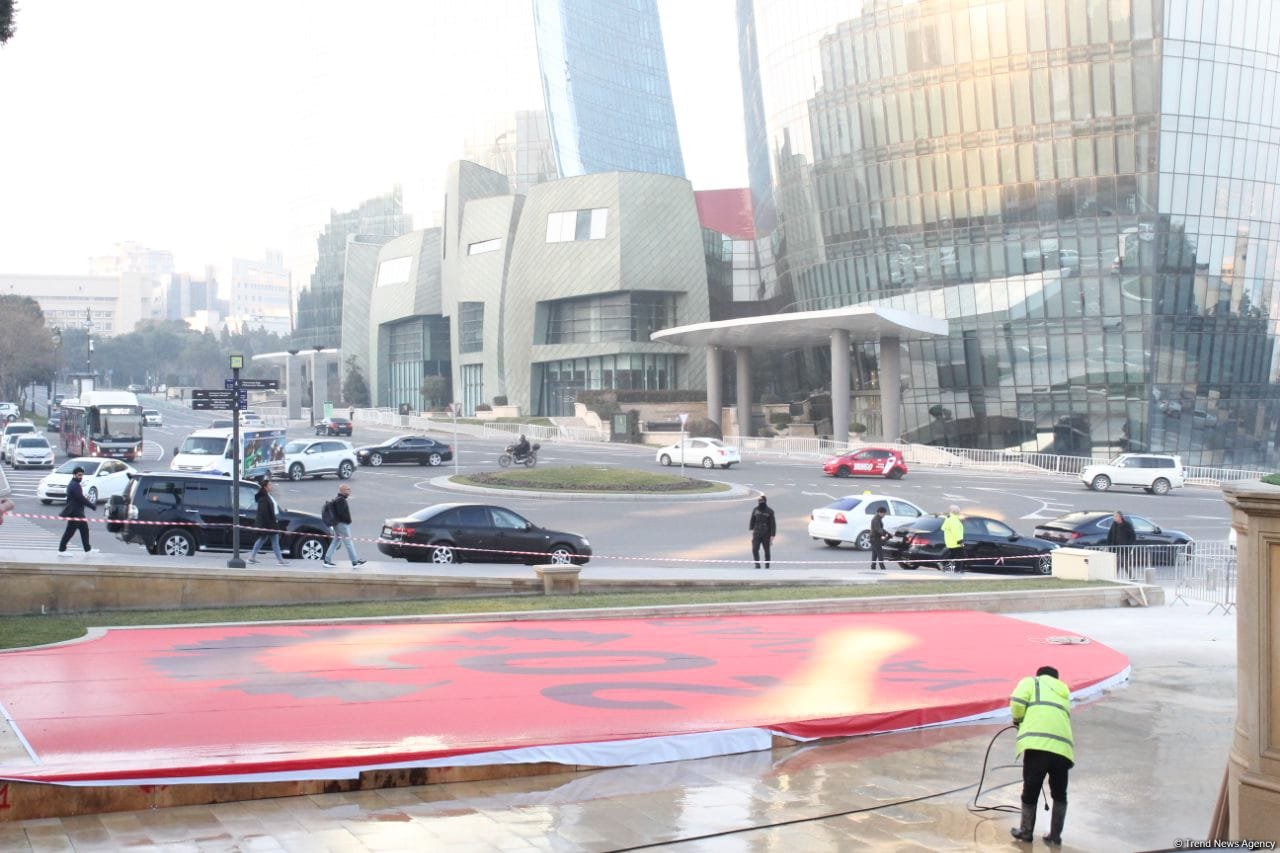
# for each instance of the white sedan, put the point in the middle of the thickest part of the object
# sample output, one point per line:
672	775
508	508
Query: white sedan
707	452
848	519
102	479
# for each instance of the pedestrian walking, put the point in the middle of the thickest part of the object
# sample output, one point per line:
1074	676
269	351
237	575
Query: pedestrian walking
878	537
953	539
763	527
337	515
73	512
265	521
1041	709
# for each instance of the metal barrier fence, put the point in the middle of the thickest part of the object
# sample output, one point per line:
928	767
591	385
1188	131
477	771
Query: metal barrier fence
1200	571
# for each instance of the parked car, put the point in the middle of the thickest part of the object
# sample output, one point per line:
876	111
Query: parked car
200	509
1156	473
250	418
316	457
405	448
12	430
9	412
136	388
991	544
707	452
334	426
102	479
31	451
152	417
54	424
1089	529
867	462
453	532
848	519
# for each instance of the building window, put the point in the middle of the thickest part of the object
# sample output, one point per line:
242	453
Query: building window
484	246
394	271
609	317
568	226
470	326
472	376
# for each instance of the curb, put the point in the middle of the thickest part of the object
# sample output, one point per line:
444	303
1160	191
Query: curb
735	492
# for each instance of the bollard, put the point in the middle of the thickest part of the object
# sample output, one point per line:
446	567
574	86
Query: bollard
1149	576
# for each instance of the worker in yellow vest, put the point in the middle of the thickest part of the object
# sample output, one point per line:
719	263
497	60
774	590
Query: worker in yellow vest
953	539
1041	708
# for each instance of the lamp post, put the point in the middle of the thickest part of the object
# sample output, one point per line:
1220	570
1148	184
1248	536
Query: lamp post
88	341
236	363
57	364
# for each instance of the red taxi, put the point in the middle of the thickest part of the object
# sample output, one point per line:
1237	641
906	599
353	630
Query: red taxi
867	462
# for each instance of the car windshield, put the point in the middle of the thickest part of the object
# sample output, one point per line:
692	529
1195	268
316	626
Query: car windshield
151	413
1074	518
926	524
845	503
295	447
122	427
18	429
426	513
33	442
198	445
68	467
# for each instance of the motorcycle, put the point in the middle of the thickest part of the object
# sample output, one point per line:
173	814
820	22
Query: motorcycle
527	461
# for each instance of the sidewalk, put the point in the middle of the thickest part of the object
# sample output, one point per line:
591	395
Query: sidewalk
1150	759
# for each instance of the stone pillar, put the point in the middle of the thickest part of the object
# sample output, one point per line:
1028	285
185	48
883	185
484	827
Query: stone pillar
715	384
295	385
890	387
1253	766
840	386
319	384
743	357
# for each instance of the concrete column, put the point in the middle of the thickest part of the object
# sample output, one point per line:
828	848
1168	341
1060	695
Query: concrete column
1253	764
743	357
295	385
319	384
715	384
890	387
840	386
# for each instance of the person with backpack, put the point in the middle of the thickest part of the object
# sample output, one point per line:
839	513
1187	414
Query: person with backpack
337	515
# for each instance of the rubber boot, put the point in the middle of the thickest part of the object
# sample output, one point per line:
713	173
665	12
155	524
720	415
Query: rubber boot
1056	820
1026	832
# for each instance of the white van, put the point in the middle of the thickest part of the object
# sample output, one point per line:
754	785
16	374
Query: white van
209	451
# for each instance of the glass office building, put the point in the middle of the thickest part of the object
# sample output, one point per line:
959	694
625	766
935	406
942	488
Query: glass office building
1085	189
604	81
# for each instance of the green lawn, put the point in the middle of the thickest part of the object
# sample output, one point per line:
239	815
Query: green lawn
584	478
19	631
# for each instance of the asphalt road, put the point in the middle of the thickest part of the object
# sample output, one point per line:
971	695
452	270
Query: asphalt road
657	531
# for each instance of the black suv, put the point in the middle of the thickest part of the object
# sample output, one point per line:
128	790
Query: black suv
199	507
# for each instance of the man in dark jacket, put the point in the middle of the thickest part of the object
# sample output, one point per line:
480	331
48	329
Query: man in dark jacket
268	526
1122	537
338	516
73	512
763	527
878	537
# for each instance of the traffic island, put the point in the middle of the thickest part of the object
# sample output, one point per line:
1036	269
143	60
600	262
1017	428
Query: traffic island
580	482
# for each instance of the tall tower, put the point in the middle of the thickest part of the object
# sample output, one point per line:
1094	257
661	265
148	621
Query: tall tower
604	82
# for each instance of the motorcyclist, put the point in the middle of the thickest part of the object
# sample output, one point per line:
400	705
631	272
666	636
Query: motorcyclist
521	449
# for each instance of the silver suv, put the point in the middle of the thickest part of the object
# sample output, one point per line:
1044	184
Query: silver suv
1155	473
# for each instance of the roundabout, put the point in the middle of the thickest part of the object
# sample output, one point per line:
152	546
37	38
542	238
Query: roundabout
584	482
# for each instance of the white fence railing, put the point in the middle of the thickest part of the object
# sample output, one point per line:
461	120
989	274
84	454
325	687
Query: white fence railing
1199	571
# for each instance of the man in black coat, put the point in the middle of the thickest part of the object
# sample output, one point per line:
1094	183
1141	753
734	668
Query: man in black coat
1122	537
878	537
73	512
763	527
268	526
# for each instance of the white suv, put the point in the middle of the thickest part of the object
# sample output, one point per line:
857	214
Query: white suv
1155	473
316	457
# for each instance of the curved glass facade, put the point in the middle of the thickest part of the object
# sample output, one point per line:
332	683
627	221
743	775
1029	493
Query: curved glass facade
1085	189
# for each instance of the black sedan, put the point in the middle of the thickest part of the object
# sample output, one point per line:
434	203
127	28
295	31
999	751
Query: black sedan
989	545
478	533
334	426
1089	529
405	448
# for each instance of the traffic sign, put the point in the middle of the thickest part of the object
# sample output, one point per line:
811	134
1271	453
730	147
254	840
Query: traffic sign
217	398
253	384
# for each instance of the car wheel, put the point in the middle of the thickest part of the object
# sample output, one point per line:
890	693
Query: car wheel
92	495
665	460
895	474
1100	483
309	548
45	501
562	555
176	543
1044	564
911	567
375	459
1160	487
842	471
443	554
434	460
345	470
708	462
863	542
831	543
296	471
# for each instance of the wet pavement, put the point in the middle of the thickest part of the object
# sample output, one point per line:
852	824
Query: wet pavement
1150	760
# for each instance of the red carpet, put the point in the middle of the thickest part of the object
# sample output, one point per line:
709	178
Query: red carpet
280	701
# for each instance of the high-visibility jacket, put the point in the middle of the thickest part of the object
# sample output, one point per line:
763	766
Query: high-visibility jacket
953	531
1041	708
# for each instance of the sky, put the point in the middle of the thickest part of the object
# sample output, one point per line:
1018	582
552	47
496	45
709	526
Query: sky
222	129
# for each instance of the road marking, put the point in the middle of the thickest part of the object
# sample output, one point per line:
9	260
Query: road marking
959	498
819	495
